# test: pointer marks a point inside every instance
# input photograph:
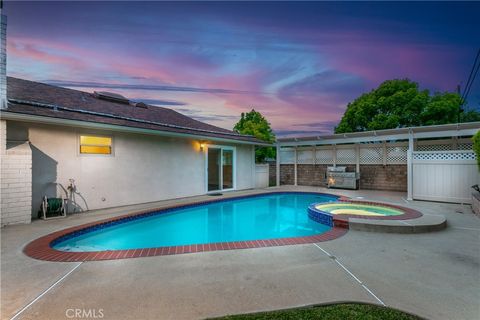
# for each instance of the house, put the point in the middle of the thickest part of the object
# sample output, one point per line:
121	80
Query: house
101	150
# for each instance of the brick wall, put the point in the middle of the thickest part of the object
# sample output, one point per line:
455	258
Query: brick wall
379	177
287	175
372	177
15	181
272	173
311	175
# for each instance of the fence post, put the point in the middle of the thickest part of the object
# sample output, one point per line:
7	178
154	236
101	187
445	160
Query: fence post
334	155
357	157
384	148
454	143
277	167
410	167
295	166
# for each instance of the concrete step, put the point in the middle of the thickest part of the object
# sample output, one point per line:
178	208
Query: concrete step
425	223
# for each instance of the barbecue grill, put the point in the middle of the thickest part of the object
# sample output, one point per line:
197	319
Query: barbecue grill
338	177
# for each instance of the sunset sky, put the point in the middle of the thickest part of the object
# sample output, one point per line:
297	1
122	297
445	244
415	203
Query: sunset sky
297	63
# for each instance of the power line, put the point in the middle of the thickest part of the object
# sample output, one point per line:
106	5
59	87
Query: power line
471	77
471	83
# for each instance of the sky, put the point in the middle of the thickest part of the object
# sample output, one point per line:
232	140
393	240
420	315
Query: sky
298	63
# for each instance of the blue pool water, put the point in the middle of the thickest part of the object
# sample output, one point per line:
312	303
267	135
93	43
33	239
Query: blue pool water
271	216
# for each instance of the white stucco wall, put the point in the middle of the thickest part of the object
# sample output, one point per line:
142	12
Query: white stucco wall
143	168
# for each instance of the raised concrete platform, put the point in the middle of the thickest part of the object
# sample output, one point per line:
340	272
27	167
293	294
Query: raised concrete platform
426	223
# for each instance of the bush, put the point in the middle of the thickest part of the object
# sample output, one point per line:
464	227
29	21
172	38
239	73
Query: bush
476	147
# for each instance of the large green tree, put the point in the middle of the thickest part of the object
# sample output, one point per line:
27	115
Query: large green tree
400	103
253	123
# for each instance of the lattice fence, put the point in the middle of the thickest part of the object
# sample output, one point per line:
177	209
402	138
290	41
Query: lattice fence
444	156
397	155
346	156
465	146
305	156
324	156
374	153
287	156
434	147
371	155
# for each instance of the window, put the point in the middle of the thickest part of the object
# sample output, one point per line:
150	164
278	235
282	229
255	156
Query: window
95	145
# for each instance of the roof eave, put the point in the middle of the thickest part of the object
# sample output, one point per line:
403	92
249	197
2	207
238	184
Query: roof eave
397	134
15	116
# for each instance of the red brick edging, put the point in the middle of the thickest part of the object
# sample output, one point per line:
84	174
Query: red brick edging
41	248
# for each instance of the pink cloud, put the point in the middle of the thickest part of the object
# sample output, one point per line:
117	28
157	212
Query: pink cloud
421	63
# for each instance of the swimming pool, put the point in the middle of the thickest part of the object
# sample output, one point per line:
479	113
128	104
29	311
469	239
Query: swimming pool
251	218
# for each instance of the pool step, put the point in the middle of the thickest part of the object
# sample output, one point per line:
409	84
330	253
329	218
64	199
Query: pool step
426	223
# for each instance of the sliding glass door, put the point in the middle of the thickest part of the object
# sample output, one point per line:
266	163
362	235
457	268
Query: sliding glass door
220	168
227	169
213	168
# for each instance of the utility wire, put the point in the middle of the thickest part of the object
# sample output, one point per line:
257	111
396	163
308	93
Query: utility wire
471	77
471	82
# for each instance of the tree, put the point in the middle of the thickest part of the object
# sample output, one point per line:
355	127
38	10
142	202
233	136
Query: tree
400	103
253	123
470	116
441	109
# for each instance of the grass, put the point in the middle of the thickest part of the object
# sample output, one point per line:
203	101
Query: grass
330	312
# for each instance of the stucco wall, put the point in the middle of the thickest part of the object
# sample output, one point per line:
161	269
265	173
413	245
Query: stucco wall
143	168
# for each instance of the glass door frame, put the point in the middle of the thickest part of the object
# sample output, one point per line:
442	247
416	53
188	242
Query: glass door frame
234	164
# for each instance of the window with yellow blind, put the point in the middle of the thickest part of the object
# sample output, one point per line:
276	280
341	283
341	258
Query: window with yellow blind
95	145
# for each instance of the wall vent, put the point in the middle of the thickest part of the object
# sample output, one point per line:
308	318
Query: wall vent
110	96
141	105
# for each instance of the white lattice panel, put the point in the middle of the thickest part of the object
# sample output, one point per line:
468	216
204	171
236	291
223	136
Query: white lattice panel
371	155
346	156
444	156
287	156
434	147
465	146
324	156
397	155
305	156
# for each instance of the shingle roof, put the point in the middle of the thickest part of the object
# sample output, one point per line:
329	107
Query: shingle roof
39	99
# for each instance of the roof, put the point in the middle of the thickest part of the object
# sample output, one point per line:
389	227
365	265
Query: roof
43	100
444	130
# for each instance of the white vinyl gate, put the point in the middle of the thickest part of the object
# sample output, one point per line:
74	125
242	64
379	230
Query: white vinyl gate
445	176
261	175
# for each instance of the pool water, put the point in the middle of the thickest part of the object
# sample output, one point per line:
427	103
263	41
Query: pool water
357	209
271	216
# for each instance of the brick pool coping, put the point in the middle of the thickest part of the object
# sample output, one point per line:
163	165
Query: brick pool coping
41	248
342	221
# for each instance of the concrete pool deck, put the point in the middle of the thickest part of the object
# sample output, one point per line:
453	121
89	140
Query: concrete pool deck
435	275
